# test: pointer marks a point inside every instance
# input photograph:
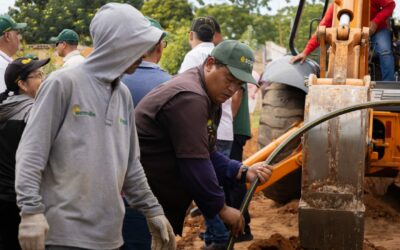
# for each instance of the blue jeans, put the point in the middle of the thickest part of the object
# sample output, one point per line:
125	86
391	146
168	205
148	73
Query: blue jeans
216	231
382	45
224	147
135	231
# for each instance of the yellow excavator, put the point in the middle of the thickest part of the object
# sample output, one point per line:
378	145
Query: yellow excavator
350	129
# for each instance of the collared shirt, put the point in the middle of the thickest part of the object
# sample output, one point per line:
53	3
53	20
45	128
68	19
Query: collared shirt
146	77
196	56
4	61
73	58
176	125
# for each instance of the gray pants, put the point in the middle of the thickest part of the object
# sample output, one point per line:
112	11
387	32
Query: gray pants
68	248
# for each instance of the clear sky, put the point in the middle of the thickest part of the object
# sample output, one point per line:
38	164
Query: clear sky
275	4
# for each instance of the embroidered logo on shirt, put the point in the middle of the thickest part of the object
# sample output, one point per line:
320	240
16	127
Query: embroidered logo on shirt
123	121
76	110
212	133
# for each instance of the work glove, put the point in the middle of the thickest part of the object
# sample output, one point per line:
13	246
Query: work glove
162	234
32	231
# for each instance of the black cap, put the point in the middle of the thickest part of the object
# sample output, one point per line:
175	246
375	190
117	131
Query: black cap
20	69
204	28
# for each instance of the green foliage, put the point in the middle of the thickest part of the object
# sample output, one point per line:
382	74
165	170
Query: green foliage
285	16
167	12
177	48
46	18
231	28
175	16
248	37
239	19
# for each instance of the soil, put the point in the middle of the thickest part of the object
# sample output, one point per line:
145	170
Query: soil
275	226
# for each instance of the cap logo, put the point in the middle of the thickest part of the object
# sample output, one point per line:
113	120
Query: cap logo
26	61
243	59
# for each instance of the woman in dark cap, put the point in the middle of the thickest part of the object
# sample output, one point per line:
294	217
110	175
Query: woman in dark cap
23	77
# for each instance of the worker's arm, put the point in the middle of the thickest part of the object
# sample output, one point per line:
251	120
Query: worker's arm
200	180
31	160
386	9
230	171
313	42
44	121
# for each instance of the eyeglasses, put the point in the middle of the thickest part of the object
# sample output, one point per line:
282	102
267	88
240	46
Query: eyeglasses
38	75
164	43
57	43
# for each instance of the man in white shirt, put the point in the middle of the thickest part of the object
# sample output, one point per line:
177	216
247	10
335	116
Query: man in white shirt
200	39
10	39
67	47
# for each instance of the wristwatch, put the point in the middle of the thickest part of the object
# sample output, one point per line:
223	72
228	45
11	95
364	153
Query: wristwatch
243	176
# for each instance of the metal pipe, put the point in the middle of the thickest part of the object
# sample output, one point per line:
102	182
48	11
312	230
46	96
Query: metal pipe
294	28
344	20
295	136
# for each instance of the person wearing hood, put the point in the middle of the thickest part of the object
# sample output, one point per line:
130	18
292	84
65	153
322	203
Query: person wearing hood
80	149
23	77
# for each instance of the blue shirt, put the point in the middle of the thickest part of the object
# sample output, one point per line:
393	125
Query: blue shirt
146	77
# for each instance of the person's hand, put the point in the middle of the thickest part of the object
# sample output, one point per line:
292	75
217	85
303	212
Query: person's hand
372	28
233	218
32	231
261	170
162	234
302	57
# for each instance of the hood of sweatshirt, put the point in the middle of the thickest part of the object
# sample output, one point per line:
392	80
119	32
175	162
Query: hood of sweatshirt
121	35
15	106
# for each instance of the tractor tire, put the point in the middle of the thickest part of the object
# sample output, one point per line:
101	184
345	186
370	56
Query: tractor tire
282	106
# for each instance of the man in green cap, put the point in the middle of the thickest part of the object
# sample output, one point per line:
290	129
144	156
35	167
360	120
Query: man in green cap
148	75
67	47
177	124
10	42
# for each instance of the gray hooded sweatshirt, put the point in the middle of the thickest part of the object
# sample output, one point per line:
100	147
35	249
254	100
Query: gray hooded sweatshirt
80	149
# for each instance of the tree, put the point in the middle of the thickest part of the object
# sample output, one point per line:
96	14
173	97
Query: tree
177	48
175	16
168	12
284	18
46	18
231	28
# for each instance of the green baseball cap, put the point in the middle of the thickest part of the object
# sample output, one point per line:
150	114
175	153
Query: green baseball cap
237	57
156	24
7	24
66	35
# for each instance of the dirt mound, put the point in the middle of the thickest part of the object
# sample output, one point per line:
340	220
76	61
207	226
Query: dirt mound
193	226
377	208
276	242
289	208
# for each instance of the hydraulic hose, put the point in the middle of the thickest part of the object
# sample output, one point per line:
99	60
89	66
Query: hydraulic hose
295	136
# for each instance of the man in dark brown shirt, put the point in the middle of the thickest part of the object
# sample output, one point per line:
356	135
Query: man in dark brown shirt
177	125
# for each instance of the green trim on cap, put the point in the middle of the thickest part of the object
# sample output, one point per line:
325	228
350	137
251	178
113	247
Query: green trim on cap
66	35
238	57
7	24
155	23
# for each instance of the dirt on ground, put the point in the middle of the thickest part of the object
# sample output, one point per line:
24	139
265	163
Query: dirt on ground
275	226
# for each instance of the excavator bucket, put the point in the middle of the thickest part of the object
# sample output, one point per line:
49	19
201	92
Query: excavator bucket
331	209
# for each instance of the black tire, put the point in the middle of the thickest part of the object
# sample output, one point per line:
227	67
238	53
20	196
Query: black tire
282	106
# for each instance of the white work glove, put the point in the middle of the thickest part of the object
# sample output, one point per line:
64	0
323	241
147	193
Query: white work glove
32	231
162	234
